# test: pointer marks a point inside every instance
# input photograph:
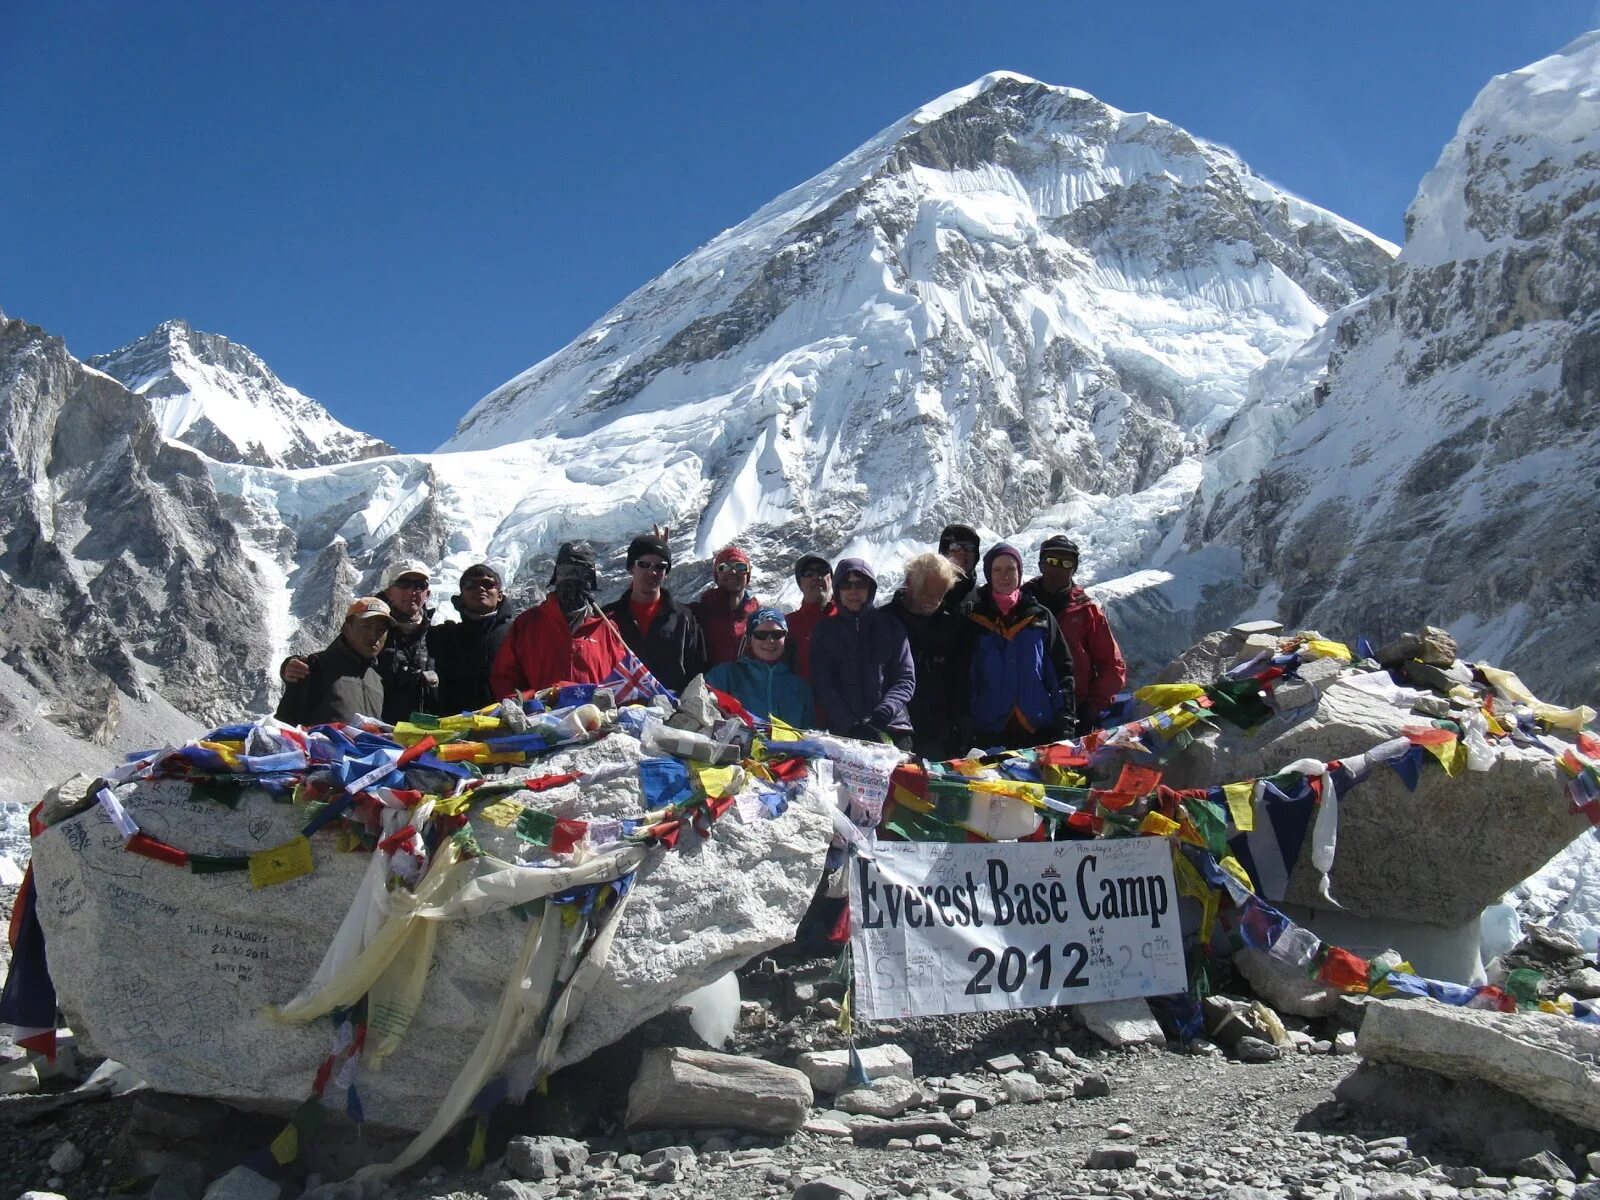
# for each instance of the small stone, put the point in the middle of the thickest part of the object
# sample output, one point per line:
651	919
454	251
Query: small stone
898	1144
998	1138
1345	1043
1121	1131
41	1196
18	1078
531	1160
1256	1050
1092	1087
823	1127
828	1008
831	1187
886	1098
1066	1055
964	1110
1021	1089
1594	1162
1543	1165
829	1070
1322	1046
1112	1158
65	1159
242	1183
928	1142
1003	1064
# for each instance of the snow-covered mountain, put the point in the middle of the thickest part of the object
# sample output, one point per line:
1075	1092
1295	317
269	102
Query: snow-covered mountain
220	398
1016	297
1432	454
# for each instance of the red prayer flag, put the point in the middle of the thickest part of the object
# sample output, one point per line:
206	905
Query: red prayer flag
1341	969
566	835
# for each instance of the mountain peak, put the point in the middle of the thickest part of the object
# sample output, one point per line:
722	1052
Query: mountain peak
218	396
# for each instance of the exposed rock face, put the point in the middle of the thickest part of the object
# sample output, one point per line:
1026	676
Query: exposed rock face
701	1089
119	568
220	398
1438	855
1546	1059
181	1001
1429	457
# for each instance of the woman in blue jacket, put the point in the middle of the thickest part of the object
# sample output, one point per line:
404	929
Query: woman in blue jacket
760	679
1021	673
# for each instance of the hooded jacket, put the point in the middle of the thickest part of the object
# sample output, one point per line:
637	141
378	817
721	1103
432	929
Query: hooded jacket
406	664
339	684
675	648
861	666
543	648
1097	664
1021	682
941	644
767	689
724	622
464	653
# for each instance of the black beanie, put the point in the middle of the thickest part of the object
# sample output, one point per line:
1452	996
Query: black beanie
1059	543
808	562
958	533
647	543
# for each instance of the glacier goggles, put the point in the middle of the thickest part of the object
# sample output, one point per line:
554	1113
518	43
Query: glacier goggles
1067	563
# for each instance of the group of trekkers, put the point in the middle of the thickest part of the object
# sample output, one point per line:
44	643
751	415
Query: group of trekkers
947	664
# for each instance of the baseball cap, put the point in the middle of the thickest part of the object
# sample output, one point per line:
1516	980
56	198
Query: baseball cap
369	608
406	566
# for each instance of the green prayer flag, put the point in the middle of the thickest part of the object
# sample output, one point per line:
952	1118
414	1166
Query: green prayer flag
1211	822
424	720
535	826
215	864
922	827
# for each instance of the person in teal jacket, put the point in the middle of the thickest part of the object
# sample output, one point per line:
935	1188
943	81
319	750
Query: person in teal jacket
760	679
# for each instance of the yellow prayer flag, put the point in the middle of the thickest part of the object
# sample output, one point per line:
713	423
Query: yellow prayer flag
1182	718
1452	756
503	813
1234	867
450	806
713	781
286	1146
1564	718
1166	695
281	864
1156	825
1241	805
1324	648
782	731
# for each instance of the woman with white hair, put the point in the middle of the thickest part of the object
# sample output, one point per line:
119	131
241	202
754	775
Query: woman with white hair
940	647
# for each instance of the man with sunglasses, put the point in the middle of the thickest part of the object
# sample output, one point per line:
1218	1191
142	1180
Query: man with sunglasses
464	650
1097	665
661	631
724	609
815	577
410	683
566	639
961	545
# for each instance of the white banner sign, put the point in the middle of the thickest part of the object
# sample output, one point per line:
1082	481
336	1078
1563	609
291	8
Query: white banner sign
940	927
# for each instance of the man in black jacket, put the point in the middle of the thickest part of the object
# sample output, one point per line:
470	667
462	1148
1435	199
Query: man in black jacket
406	666
463	651
663	633
341	682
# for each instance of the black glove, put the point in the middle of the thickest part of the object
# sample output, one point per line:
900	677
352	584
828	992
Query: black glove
866	731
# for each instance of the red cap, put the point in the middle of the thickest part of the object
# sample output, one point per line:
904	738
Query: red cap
730	554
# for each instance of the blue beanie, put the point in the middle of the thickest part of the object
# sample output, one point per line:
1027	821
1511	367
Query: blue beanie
762	616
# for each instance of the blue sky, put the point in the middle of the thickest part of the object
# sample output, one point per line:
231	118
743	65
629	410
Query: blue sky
401	206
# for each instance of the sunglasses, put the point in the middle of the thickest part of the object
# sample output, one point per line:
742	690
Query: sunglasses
815	574
1053	561
855	584
411	585
732	569
661	567
769	635
969	547
481	581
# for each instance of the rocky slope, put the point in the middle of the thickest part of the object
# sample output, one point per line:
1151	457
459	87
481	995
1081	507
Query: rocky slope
220	398
1431	454
128	593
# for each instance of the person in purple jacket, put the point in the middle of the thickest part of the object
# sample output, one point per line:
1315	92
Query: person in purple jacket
861	667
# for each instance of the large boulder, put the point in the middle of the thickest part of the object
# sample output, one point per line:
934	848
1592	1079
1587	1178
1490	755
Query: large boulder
171	971
1546	1059
1437	855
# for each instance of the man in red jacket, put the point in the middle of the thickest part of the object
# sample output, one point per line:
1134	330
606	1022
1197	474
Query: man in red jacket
1097	665
724	609
815	577
564	640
